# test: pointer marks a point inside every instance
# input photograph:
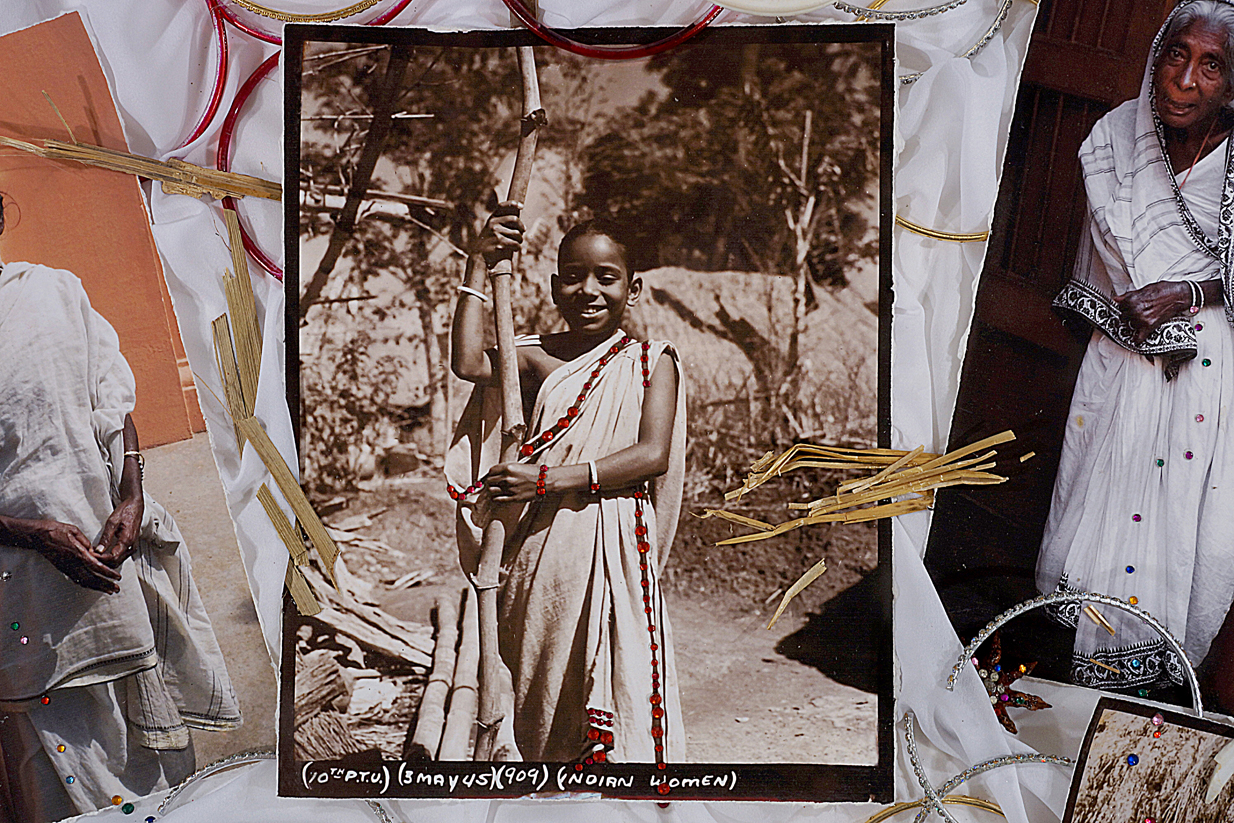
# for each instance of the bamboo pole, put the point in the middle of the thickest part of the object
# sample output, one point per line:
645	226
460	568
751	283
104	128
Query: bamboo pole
513	427
425	740
461	718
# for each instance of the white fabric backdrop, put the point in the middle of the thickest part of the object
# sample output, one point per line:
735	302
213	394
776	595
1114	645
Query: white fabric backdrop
952	126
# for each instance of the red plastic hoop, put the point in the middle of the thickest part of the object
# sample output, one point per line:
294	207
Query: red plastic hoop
551	36
223	159
220	76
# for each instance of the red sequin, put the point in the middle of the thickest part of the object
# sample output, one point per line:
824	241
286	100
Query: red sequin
657	712
607	738
647	609
655	647
599	757
640	530
646	584
644	547
593	734
45	700
655	699
527	450
646	384
572	411
651	628
656	731
563	422
661	765
663	788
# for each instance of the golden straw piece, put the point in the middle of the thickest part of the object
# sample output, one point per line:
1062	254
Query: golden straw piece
243	308
230	373
1098	618
306	601
176	176
903	482
1105	666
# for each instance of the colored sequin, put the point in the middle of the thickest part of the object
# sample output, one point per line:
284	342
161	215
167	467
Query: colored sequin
1199	418
1131	570
1188	455
116	800
1157	733
1142	692
1160	462
1135	518
70	779
60	748
5	575
44	700
1206	362
1158	719
1199	327
1133	600
24	640
1132	759
1136	664
663	788
128	808
14	625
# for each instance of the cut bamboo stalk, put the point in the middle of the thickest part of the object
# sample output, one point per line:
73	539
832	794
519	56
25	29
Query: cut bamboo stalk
461	717
513	426
425	740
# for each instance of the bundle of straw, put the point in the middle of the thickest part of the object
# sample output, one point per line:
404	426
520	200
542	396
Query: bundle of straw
902	482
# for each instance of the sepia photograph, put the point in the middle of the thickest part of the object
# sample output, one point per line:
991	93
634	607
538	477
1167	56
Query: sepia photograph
131	654
1102	338
551	308
1138	763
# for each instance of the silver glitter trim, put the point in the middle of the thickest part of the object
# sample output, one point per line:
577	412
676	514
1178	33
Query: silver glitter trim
933	802
994	28
1081	597
893	16
228	762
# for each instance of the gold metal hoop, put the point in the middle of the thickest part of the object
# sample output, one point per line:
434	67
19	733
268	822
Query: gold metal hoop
289	17
935	234
950	800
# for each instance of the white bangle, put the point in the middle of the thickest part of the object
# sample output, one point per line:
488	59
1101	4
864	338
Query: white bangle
473	292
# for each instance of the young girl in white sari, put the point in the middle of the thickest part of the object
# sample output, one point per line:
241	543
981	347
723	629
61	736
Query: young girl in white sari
583	628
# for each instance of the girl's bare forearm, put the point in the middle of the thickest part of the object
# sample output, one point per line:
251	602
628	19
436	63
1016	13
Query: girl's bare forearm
468	360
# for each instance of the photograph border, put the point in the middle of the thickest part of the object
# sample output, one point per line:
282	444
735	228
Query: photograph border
366	776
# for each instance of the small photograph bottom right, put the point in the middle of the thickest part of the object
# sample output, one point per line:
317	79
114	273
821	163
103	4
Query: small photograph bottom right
1142	764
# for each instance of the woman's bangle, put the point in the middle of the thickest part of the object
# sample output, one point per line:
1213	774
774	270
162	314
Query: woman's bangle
473	292
541	489
593	477
141	462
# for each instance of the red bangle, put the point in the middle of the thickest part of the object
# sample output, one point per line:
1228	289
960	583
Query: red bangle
540	489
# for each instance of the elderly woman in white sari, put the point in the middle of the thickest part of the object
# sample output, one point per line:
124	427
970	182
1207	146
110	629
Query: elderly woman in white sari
1143	505
108	655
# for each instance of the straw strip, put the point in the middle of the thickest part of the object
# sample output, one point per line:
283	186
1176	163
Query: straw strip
243	308
733	517
796	589
306	601
226	359
176	176
309	521
1098	618
1105	666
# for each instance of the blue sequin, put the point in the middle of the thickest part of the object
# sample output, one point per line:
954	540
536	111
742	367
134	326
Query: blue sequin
1135	664
1131	570
1132	759
70	779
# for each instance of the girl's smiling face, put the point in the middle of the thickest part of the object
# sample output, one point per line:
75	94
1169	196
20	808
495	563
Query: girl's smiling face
593	285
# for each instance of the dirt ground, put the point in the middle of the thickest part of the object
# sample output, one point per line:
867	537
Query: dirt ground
182	476
800	693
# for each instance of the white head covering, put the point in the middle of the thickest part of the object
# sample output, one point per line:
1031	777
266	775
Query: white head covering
1140	229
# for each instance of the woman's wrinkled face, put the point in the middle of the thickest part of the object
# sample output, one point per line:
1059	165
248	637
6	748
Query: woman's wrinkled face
593	286
1192	77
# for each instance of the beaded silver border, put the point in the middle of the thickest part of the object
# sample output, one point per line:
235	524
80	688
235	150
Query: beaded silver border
994	28
1079	597
933	797
217	766
894	16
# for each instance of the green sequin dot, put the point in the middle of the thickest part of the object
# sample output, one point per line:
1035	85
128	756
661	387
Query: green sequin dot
1142	692
1160	462
1206	362
14	625
128	808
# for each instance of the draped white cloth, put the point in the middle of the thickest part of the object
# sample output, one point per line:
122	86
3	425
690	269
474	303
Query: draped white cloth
141	665
951	134
1143	502
576	631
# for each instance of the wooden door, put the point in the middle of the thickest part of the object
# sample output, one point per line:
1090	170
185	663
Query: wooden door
1085	57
